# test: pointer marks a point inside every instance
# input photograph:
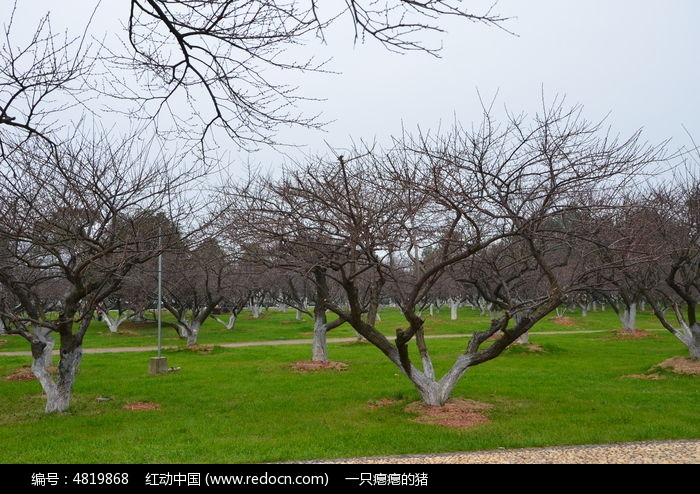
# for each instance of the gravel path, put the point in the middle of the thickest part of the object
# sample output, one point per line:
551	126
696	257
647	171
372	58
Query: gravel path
648	452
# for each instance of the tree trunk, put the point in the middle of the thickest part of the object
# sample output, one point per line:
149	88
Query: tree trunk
595	306
584	310
436	393
227	324
694	343
453	310
58	392
432	310
523	339
694	346
629	317
255	310
193	332
113	323
299	315
44	334
690	337
320	345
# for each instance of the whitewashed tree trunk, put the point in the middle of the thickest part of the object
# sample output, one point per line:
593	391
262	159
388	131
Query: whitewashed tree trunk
523	339
139	316
193	332
113	323
642	306
377	317
319	351
693	341
3	330
483	306
689	334
299	315
595	306
628	317
230	324
58	391
432	309
434	392
255	310
282	307
188	330
602	306
584	310
454	305
45	336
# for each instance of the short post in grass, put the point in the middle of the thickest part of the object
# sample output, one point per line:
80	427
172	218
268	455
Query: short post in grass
159	364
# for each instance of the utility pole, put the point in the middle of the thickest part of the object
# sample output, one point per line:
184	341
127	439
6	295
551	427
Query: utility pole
159	364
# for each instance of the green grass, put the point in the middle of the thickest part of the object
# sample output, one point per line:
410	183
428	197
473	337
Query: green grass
245	405
276	325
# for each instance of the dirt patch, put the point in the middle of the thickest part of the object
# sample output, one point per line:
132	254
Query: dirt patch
22	374
3	342
458	413
136	325
681	365
127	332
650	377
141	405
382	402
25	373
637	333
311	366
564	321
201	349
529	347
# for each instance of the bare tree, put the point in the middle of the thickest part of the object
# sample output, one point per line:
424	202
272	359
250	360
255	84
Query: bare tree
500	198
623	263
195	280
219	64
259	210
74	220
673	272
39	81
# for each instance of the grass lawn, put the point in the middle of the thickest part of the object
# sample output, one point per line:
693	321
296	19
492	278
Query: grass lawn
245	405
276	325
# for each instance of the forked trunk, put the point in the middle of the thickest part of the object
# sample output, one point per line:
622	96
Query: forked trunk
230	324
58	391
436	393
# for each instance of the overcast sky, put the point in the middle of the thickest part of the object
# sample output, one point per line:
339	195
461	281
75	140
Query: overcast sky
636	60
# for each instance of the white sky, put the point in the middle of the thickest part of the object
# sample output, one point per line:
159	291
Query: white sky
638	60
